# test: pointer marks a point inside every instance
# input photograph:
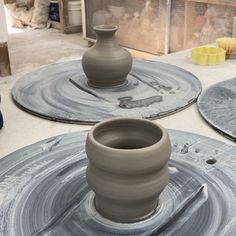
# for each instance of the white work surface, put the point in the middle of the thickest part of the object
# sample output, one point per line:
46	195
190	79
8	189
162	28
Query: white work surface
22	129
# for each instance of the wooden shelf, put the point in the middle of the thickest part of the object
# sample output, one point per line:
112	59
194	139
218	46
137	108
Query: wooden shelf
5	68
64	19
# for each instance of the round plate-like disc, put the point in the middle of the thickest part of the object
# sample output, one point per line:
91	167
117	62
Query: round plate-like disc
60	92
217	105
43	191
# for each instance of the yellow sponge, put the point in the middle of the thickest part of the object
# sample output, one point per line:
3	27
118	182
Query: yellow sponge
229	45
208	56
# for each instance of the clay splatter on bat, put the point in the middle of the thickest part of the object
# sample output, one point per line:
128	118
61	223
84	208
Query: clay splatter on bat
43	191
60	92
217	105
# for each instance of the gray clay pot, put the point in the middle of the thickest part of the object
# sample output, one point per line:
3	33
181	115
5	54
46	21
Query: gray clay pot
106	64
128	167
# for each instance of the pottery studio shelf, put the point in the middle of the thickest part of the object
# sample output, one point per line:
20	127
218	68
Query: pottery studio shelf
174	22
63	25
191	14
218	2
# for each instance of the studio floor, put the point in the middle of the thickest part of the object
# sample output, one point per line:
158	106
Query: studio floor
32	49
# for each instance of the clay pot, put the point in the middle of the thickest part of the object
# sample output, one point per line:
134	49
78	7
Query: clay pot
128	167
106	64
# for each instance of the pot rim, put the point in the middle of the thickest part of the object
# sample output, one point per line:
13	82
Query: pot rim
105	28
159	143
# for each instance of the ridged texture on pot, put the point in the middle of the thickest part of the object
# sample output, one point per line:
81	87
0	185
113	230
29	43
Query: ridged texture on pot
127	167
106	63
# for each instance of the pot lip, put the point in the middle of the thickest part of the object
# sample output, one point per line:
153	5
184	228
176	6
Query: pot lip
106	28
158	144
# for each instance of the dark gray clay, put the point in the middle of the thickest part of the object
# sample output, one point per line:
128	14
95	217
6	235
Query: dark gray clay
127	167
106	64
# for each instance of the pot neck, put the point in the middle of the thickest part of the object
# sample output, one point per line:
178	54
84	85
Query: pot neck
105	35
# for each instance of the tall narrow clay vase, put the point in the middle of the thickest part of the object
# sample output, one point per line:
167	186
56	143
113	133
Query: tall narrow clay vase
128	167
106	64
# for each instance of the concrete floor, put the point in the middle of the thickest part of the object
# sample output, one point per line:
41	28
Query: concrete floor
32	49
29	50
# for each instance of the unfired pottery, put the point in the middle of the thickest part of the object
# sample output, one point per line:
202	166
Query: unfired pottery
60	92
106	64
127	167
43	191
